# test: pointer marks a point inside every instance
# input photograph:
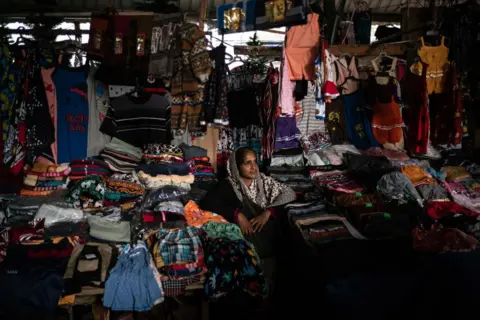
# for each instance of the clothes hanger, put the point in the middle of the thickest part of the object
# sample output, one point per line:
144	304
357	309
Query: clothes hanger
236	59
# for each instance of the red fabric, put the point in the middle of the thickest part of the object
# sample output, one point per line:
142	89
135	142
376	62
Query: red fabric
273	211
419	116
437	209
33	231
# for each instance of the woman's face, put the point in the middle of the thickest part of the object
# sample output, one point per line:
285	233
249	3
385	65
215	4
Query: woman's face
249	168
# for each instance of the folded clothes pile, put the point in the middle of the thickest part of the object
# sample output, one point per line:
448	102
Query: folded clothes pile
42	179
162	153
81	168
121	156
203	171
154	176
94	192
335	180
164	205
318	225
179	256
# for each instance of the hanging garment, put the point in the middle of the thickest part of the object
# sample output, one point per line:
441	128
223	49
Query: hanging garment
330	89
269	112
302	49
287	135
418	109
437	60
40	132
359	130
362	23
335	120
446	111
286	102
347	76
387	122
190	71
52	103
319	94
72	105
307	122
98	103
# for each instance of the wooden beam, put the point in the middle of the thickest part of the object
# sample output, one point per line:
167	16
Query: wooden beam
203	14
391	49
258	50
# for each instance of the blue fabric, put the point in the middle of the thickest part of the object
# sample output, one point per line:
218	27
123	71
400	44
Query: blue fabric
359	130
72	112
131	285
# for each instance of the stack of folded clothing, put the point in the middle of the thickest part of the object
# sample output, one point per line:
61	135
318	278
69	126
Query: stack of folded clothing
178	255
33	270
95	192
164	205
42	179
154	176
319	226
162	153
122	193
200	166
121	156
81	168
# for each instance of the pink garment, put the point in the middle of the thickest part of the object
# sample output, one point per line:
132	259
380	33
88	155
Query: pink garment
463	196
52	103
287	102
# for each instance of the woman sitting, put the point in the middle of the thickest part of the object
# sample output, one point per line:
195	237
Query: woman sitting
249	198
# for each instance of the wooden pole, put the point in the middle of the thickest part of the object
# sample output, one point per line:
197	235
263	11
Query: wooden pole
203	14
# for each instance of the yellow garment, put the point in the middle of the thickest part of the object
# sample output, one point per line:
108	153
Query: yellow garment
417	175
455	173
67	300
437	60
197	217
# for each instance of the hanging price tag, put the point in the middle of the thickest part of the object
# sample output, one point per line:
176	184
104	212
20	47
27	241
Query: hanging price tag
140	44
118	47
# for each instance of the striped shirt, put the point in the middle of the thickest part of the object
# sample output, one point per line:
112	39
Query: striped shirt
139	120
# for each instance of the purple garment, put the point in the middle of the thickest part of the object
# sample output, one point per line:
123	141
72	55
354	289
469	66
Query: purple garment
287	133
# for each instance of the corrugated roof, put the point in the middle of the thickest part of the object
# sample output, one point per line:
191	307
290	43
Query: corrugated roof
377	6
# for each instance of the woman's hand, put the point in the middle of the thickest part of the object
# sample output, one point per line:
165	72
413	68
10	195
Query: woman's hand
259	222
244	224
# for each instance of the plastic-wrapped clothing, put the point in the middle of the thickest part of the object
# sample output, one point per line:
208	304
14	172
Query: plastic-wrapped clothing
397	186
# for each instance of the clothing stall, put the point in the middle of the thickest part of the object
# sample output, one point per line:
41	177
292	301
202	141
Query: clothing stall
110	146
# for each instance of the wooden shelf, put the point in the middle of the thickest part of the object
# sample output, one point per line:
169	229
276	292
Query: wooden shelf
391	49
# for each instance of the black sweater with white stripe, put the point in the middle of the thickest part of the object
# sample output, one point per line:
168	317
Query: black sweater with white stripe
139	120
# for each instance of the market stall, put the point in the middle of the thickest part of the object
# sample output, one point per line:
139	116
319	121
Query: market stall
115	150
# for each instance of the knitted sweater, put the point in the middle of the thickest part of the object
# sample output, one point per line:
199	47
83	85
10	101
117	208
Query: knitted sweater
193	66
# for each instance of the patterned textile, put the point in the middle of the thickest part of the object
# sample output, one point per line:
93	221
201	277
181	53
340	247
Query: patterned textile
269	114
224	147
87	193
162	149
229	231
177	246
197	217
314	141
175	286
250	137
190	71
232	266
3	244
264	191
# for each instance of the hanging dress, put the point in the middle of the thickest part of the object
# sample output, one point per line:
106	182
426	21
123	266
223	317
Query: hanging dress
418	113
387	122
437	60
359	130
